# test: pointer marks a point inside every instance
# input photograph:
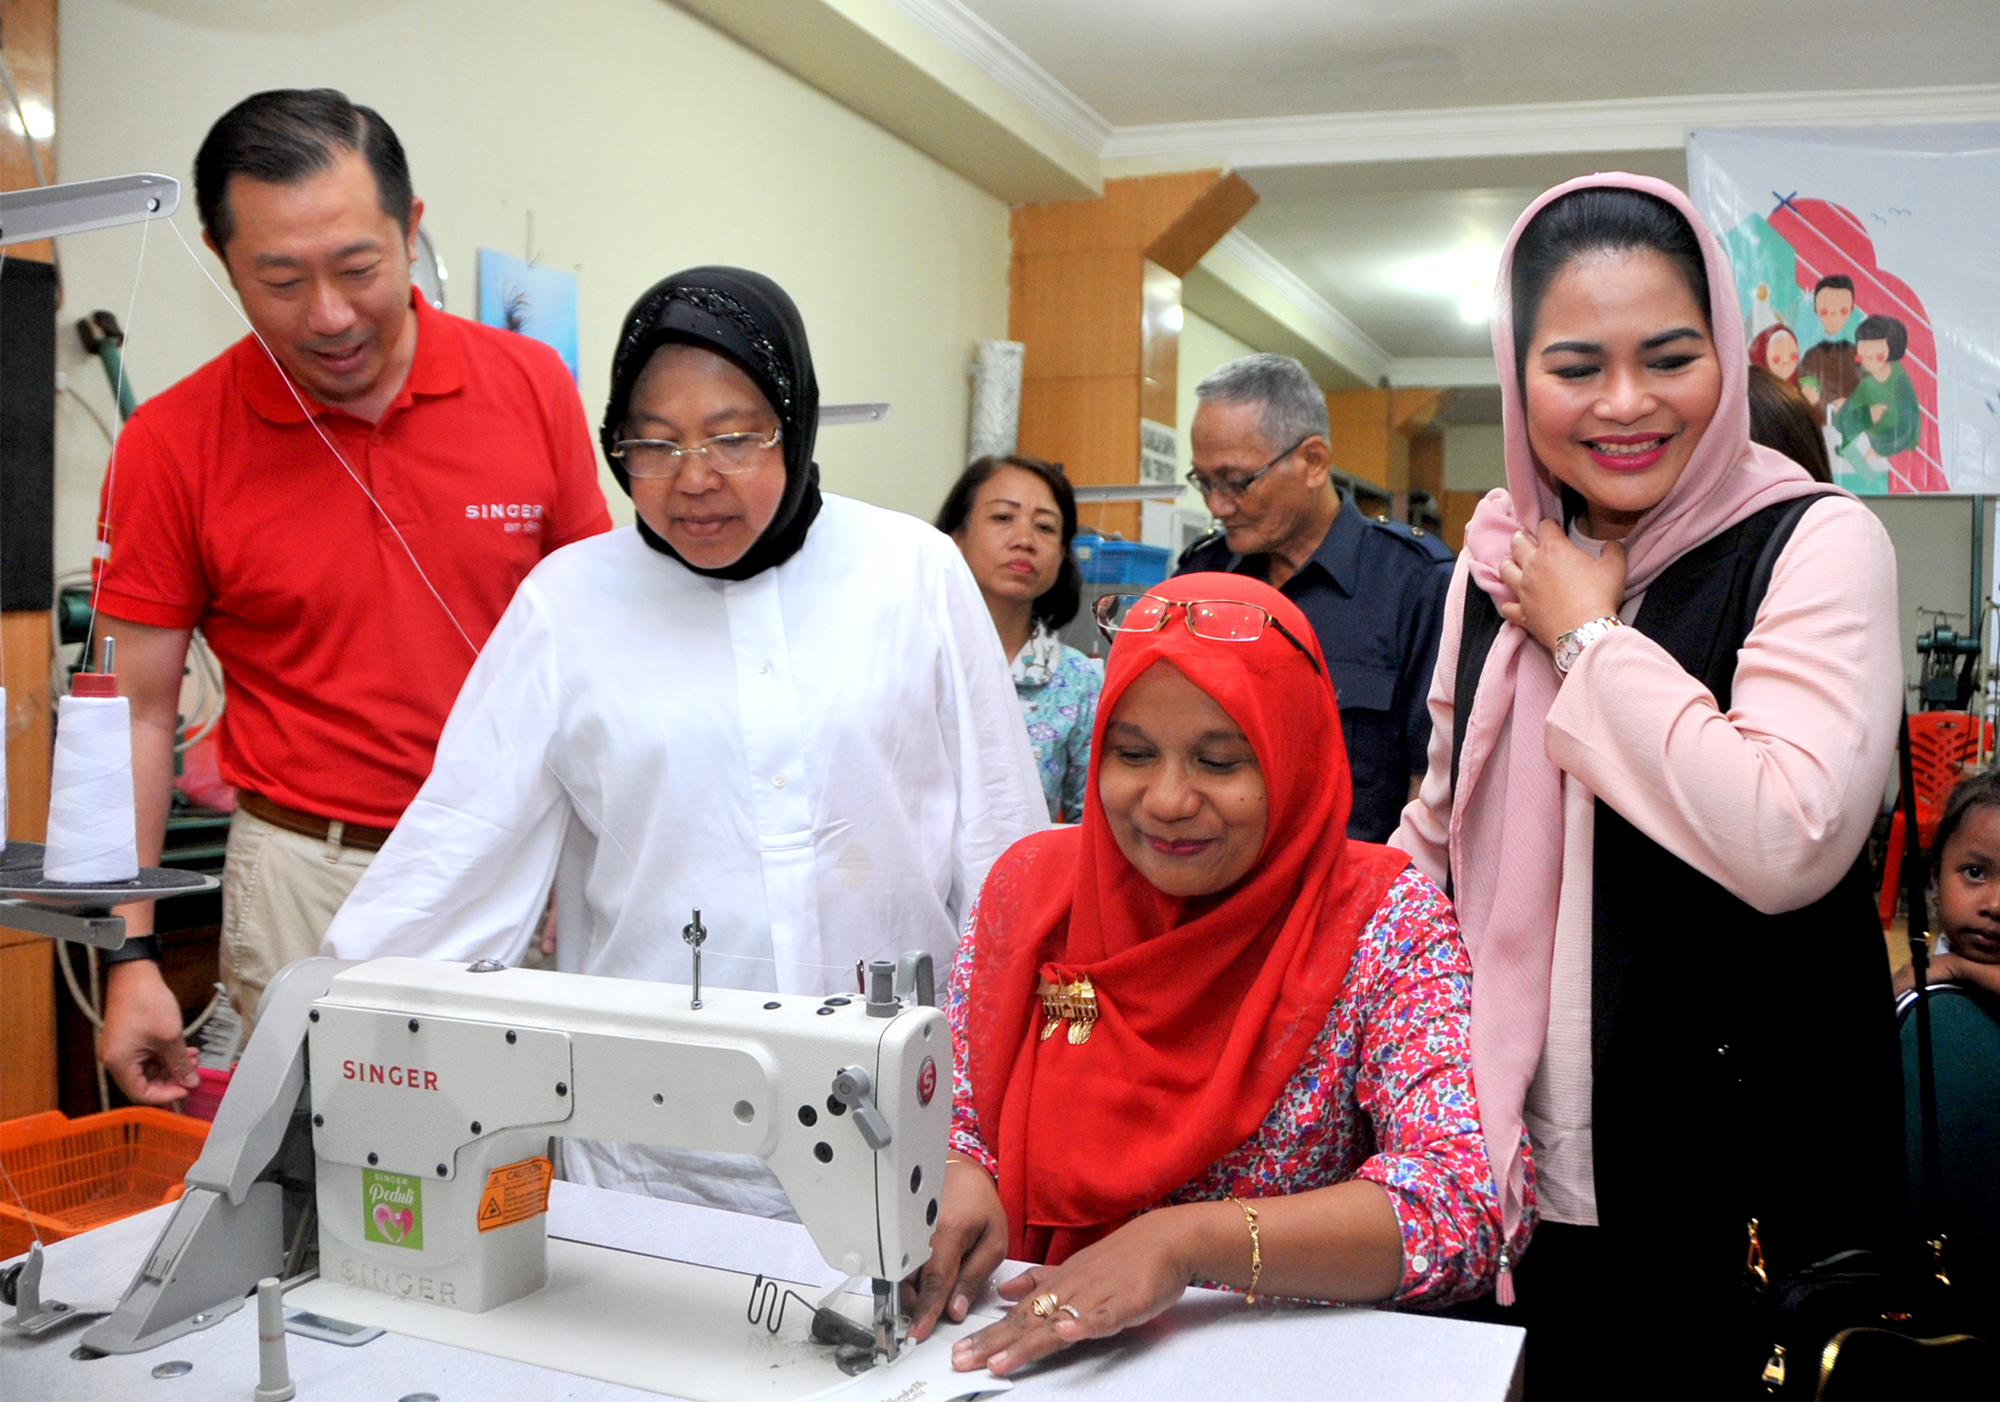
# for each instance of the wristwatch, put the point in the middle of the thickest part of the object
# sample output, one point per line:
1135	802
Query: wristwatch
1570	645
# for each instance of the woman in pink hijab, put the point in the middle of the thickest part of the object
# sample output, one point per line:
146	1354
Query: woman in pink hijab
1664	711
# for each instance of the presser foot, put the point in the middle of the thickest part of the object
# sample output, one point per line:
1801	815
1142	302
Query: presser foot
891	1327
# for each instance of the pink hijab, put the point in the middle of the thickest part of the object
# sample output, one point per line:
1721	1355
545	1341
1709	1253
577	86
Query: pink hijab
1507	813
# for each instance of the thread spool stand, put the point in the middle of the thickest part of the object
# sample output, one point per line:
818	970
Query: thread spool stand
81	910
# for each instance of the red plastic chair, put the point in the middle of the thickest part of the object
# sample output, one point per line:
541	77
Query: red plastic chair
1941	742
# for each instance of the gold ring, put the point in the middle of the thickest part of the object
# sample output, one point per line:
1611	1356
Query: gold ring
1044	1305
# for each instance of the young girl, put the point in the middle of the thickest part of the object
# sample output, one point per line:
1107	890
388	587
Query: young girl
1965	873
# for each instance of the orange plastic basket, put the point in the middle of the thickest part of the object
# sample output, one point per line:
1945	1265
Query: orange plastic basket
71	1175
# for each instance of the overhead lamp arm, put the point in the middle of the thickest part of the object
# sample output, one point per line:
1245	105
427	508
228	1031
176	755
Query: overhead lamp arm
51	211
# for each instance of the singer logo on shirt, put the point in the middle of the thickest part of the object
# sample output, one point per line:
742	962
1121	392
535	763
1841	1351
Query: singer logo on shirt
524	517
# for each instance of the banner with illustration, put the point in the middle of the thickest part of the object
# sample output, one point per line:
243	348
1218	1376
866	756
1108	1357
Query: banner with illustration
1867	267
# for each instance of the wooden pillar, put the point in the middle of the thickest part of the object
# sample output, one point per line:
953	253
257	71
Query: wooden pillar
1370	431
1096	298
27	962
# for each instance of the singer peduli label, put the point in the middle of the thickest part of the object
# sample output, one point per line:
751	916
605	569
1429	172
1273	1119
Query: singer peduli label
392	1206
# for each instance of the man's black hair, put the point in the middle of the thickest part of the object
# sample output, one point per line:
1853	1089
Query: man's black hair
1884	328
1597	219
1835	282
287	134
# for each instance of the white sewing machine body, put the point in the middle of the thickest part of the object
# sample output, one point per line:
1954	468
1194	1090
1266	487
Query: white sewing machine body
405	1103
426	1078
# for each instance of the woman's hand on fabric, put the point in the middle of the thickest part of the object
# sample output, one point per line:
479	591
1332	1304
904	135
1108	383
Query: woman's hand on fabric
1123	1280
969	1241
1558	586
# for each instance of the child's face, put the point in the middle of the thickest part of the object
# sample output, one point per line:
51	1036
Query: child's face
1781	355
1874	357
1969	886
1833	305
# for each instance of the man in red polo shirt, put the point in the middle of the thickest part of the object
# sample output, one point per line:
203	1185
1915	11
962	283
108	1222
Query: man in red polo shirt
343	503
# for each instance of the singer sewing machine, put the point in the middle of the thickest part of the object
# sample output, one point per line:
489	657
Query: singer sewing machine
411	1104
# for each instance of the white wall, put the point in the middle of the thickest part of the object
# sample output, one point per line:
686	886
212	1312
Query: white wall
642	140
1475	458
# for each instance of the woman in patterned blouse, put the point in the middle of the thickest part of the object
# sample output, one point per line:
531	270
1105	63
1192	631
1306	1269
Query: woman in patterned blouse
1262	1074
1013	518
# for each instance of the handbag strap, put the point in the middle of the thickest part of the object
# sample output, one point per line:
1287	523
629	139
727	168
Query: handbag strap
1915	886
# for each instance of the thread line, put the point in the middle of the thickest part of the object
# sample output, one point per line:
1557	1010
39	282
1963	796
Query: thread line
313	420
111	470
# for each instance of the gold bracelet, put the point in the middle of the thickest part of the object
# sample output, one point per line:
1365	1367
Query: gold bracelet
1256	1248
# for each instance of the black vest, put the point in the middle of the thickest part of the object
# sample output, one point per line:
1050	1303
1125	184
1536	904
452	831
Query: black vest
1745	1065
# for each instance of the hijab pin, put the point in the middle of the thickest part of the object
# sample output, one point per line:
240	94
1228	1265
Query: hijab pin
1074	1003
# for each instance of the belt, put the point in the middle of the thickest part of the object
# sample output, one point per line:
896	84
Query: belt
311	824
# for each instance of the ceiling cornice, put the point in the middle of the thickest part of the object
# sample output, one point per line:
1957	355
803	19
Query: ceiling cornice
1365	357
1443	133
972	38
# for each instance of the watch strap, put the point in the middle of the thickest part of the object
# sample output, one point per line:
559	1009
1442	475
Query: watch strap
135	947
1569	647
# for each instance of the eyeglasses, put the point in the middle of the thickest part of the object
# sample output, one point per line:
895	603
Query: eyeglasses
1217	620
728	453
1235	487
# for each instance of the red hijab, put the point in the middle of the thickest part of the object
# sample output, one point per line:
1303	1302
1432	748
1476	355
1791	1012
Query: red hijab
1206	1006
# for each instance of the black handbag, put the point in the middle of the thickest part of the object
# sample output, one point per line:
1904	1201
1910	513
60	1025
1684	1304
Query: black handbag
1867	1323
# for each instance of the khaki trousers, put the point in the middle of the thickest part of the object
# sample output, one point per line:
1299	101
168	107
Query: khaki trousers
280	890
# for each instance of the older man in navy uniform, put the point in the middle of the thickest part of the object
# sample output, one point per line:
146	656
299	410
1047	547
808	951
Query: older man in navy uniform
1373	590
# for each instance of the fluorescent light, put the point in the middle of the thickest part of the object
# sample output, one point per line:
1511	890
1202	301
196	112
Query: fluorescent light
41	121
1464	274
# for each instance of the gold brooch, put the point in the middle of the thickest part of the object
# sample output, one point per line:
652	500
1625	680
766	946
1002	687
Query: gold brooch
1074	1003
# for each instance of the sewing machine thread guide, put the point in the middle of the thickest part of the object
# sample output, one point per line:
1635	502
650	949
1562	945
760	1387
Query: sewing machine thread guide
695	936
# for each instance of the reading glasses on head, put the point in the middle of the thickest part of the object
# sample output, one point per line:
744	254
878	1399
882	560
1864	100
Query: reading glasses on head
727	453
1235	487
1216	620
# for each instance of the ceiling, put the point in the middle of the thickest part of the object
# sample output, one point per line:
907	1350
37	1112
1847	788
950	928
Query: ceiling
1384	243
1395	247
1142	61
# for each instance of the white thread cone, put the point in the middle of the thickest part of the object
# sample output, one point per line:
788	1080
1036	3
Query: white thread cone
92	824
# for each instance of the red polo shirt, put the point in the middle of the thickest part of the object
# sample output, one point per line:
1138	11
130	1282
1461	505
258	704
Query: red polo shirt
226	512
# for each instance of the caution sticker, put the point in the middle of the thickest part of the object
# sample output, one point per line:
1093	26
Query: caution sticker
514	1193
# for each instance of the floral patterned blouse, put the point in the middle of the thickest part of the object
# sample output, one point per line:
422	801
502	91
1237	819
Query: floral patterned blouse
1384	1093
1058	688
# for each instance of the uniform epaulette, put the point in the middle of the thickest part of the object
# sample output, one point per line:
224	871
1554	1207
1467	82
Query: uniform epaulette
1425	543
1215	534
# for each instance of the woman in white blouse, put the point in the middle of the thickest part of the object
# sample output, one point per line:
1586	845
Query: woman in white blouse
786	709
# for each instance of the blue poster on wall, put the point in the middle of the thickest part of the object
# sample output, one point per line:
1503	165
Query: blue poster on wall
521	296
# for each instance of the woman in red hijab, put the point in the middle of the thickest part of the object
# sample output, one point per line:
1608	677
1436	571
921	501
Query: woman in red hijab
1203	1036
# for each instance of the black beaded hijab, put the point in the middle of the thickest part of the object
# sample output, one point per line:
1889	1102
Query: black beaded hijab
748	318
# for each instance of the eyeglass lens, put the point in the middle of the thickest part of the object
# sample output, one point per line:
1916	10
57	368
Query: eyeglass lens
1224	622
1218	620
1119	612
649	457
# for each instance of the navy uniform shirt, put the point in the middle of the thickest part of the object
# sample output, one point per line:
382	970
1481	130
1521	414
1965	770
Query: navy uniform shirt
1374	592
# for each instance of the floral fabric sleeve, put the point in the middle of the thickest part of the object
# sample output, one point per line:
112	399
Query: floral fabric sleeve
1076	743
966	1141
1414	1083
